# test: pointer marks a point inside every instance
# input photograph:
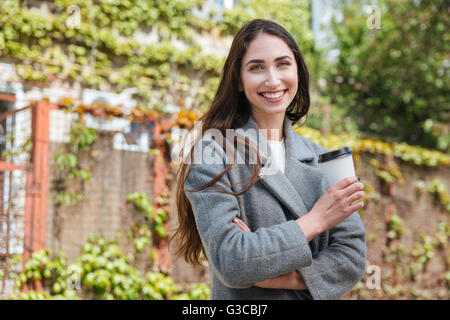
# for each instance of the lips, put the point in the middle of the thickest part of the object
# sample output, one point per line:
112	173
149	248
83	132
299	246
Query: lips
273	96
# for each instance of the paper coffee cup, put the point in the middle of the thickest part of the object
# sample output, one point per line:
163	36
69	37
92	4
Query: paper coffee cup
337	165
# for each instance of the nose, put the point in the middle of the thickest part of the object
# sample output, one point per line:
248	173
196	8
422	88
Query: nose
272	79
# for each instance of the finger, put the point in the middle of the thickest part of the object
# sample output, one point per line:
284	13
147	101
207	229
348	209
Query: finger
355	197
343	183
241	224
357	206
353	188
237	223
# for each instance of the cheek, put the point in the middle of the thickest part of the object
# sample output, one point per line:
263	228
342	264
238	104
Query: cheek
292	77
251	83
293	82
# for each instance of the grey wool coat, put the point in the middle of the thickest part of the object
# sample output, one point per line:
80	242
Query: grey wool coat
331	264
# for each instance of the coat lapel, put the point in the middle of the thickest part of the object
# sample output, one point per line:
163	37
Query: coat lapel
300	173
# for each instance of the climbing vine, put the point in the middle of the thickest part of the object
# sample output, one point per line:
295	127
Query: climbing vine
15	151
101	271
68	164
103	48
435	188
156	218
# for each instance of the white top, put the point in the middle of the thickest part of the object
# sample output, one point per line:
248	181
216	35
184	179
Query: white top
278	155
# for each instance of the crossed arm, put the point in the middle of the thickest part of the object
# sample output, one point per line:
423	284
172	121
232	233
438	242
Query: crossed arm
291	280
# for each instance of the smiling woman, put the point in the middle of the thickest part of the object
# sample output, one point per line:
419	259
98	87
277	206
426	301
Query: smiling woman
269	80
284	235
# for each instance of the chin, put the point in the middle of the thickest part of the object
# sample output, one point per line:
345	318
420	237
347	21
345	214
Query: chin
275	110
270	110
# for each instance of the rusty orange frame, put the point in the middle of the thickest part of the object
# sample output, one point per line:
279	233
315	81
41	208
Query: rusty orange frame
160	170
35	219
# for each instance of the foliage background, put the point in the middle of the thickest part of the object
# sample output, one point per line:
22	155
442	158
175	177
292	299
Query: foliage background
394	80
385	95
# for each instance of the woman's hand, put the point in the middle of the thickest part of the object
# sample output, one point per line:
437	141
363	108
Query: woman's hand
291	280
241	224
333	207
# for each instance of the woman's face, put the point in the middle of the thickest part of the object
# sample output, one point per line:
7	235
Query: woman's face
269	75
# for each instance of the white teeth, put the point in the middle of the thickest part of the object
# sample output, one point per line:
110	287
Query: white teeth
273	96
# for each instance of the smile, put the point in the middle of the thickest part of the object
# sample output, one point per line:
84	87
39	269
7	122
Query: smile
273	96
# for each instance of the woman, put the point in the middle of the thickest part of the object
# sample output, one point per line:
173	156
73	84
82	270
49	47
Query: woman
286	234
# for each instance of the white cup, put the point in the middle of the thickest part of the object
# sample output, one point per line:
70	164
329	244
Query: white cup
337	165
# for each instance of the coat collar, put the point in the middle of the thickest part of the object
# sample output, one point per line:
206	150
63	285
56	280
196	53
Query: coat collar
301	173
296	148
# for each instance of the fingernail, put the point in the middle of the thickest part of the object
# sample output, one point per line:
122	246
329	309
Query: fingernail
359	179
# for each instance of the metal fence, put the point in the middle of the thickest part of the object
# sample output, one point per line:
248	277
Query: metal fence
15	147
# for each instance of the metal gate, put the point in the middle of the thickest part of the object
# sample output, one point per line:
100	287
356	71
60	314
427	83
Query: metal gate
24	153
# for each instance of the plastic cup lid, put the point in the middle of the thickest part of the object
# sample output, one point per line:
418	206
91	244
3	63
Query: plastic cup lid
324	157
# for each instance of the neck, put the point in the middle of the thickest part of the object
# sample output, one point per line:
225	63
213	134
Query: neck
272	124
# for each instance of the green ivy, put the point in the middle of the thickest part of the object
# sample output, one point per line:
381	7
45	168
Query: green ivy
16	151
68	199
81	137
439	190
435	188
396	227
96	39
423	251
101	271
402	266
67	164
51	270
143	204
103	49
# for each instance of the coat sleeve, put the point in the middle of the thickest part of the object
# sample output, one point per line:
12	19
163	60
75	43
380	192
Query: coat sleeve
239	259
338	268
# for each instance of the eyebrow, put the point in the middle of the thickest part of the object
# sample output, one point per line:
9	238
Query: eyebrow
262	61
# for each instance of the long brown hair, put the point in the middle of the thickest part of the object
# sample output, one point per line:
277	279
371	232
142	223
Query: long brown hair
230	110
